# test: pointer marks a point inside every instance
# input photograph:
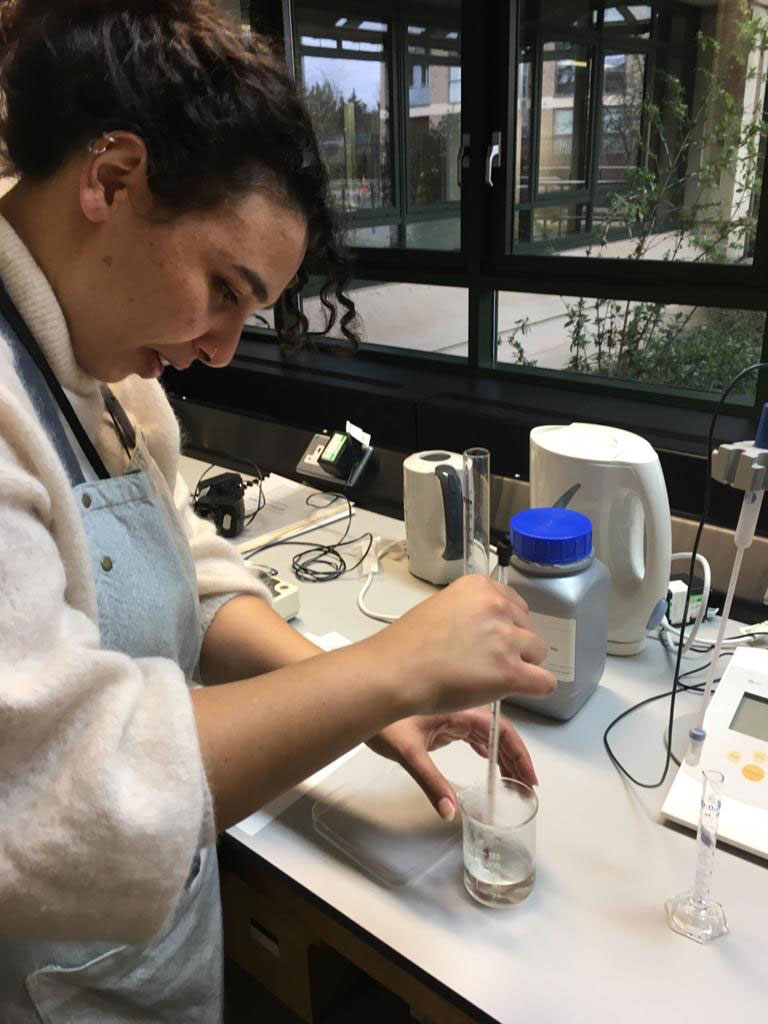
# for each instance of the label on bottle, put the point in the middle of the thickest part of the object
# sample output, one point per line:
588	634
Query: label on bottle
560	637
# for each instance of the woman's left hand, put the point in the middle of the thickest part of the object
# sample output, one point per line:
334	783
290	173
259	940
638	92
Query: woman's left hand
409	741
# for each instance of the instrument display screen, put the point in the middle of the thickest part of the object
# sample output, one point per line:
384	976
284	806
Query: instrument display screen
751	717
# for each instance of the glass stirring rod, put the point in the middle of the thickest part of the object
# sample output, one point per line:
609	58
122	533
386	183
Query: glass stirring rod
504	552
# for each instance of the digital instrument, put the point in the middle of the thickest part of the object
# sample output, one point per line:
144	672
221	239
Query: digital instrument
736	744
338	458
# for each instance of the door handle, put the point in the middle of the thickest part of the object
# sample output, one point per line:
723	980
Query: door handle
462	158
492	158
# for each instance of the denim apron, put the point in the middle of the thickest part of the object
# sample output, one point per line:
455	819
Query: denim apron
148	607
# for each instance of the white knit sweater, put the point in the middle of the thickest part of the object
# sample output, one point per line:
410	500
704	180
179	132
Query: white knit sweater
101	779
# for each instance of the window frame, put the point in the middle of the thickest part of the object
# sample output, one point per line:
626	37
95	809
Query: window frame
492	27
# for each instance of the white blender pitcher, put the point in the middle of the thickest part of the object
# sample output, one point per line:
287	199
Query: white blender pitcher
614	477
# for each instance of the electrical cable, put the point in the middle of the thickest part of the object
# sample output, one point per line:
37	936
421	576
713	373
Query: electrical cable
321	563
681	641
705	646
379	616
706	589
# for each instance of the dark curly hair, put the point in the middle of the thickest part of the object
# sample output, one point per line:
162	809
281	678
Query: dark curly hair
218	112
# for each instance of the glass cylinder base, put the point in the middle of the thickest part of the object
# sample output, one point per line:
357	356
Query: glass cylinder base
702	922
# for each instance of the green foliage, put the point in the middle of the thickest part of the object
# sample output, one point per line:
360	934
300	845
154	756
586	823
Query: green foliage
694	195
512	337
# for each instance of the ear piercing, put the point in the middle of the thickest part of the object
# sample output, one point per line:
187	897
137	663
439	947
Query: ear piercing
97	147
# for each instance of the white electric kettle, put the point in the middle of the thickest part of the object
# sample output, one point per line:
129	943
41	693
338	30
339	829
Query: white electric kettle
434	515
614	477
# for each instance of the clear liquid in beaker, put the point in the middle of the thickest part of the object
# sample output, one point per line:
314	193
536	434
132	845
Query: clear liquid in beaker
497	871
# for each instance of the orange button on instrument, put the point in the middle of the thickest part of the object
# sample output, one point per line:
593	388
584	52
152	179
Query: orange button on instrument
760	756
753	772
733	756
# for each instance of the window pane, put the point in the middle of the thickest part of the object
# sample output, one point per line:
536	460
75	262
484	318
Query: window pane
428	318
374	236
676	131
635	19
433	135
564	14
620	113
342	65
557	223
684	346
564	113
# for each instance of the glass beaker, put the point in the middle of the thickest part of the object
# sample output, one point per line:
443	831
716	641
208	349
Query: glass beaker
499	857
477	510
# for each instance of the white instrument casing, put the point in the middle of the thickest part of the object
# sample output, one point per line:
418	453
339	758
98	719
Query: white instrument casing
742	759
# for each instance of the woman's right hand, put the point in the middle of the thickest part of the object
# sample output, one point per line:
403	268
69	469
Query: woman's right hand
470	644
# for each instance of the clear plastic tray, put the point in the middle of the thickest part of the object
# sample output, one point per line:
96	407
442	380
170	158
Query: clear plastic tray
386	825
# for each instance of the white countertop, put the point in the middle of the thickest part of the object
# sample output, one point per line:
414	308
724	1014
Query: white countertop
591	943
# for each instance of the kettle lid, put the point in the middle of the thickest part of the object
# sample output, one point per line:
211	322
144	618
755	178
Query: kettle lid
551	536
593	442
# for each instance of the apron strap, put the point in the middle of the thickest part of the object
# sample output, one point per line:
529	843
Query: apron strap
35	373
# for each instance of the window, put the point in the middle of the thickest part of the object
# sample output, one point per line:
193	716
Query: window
618	253
391	145
427	318
345	73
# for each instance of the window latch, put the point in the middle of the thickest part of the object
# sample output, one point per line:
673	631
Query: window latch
462	158
492	158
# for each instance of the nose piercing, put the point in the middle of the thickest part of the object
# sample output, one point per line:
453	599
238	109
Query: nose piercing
210	356
97	147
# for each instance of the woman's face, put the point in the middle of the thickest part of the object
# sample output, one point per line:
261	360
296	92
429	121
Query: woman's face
142	290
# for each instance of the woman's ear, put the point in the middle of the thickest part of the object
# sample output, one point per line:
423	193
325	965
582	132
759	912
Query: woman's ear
116	163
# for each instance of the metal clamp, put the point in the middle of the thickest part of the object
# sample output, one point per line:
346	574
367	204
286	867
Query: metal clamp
492	158
462	158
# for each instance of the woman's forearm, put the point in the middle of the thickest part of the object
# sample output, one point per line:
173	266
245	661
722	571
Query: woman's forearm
246	638
261	736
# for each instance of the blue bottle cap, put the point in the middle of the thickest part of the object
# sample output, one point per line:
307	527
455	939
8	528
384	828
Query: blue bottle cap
551	536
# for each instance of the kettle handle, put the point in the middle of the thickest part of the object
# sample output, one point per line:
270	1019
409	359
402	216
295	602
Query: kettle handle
652	491
453	511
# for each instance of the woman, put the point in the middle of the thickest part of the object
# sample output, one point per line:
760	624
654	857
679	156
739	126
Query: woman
169	186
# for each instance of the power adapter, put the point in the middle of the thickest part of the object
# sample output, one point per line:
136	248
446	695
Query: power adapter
220	498
676	593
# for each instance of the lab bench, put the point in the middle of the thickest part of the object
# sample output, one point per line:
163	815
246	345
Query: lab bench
590	944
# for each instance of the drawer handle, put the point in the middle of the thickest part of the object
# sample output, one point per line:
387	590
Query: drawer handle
265	938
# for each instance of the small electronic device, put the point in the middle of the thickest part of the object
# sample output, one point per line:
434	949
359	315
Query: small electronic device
338	458
676	594
736	744
340	455
285	596
220	499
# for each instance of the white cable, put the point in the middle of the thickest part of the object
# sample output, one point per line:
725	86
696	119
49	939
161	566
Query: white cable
707	572
379	616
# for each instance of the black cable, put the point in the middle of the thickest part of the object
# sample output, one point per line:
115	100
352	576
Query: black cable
694	551
196	493
321	563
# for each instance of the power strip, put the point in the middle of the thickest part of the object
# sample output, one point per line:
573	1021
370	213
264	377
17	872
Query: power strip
285	595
